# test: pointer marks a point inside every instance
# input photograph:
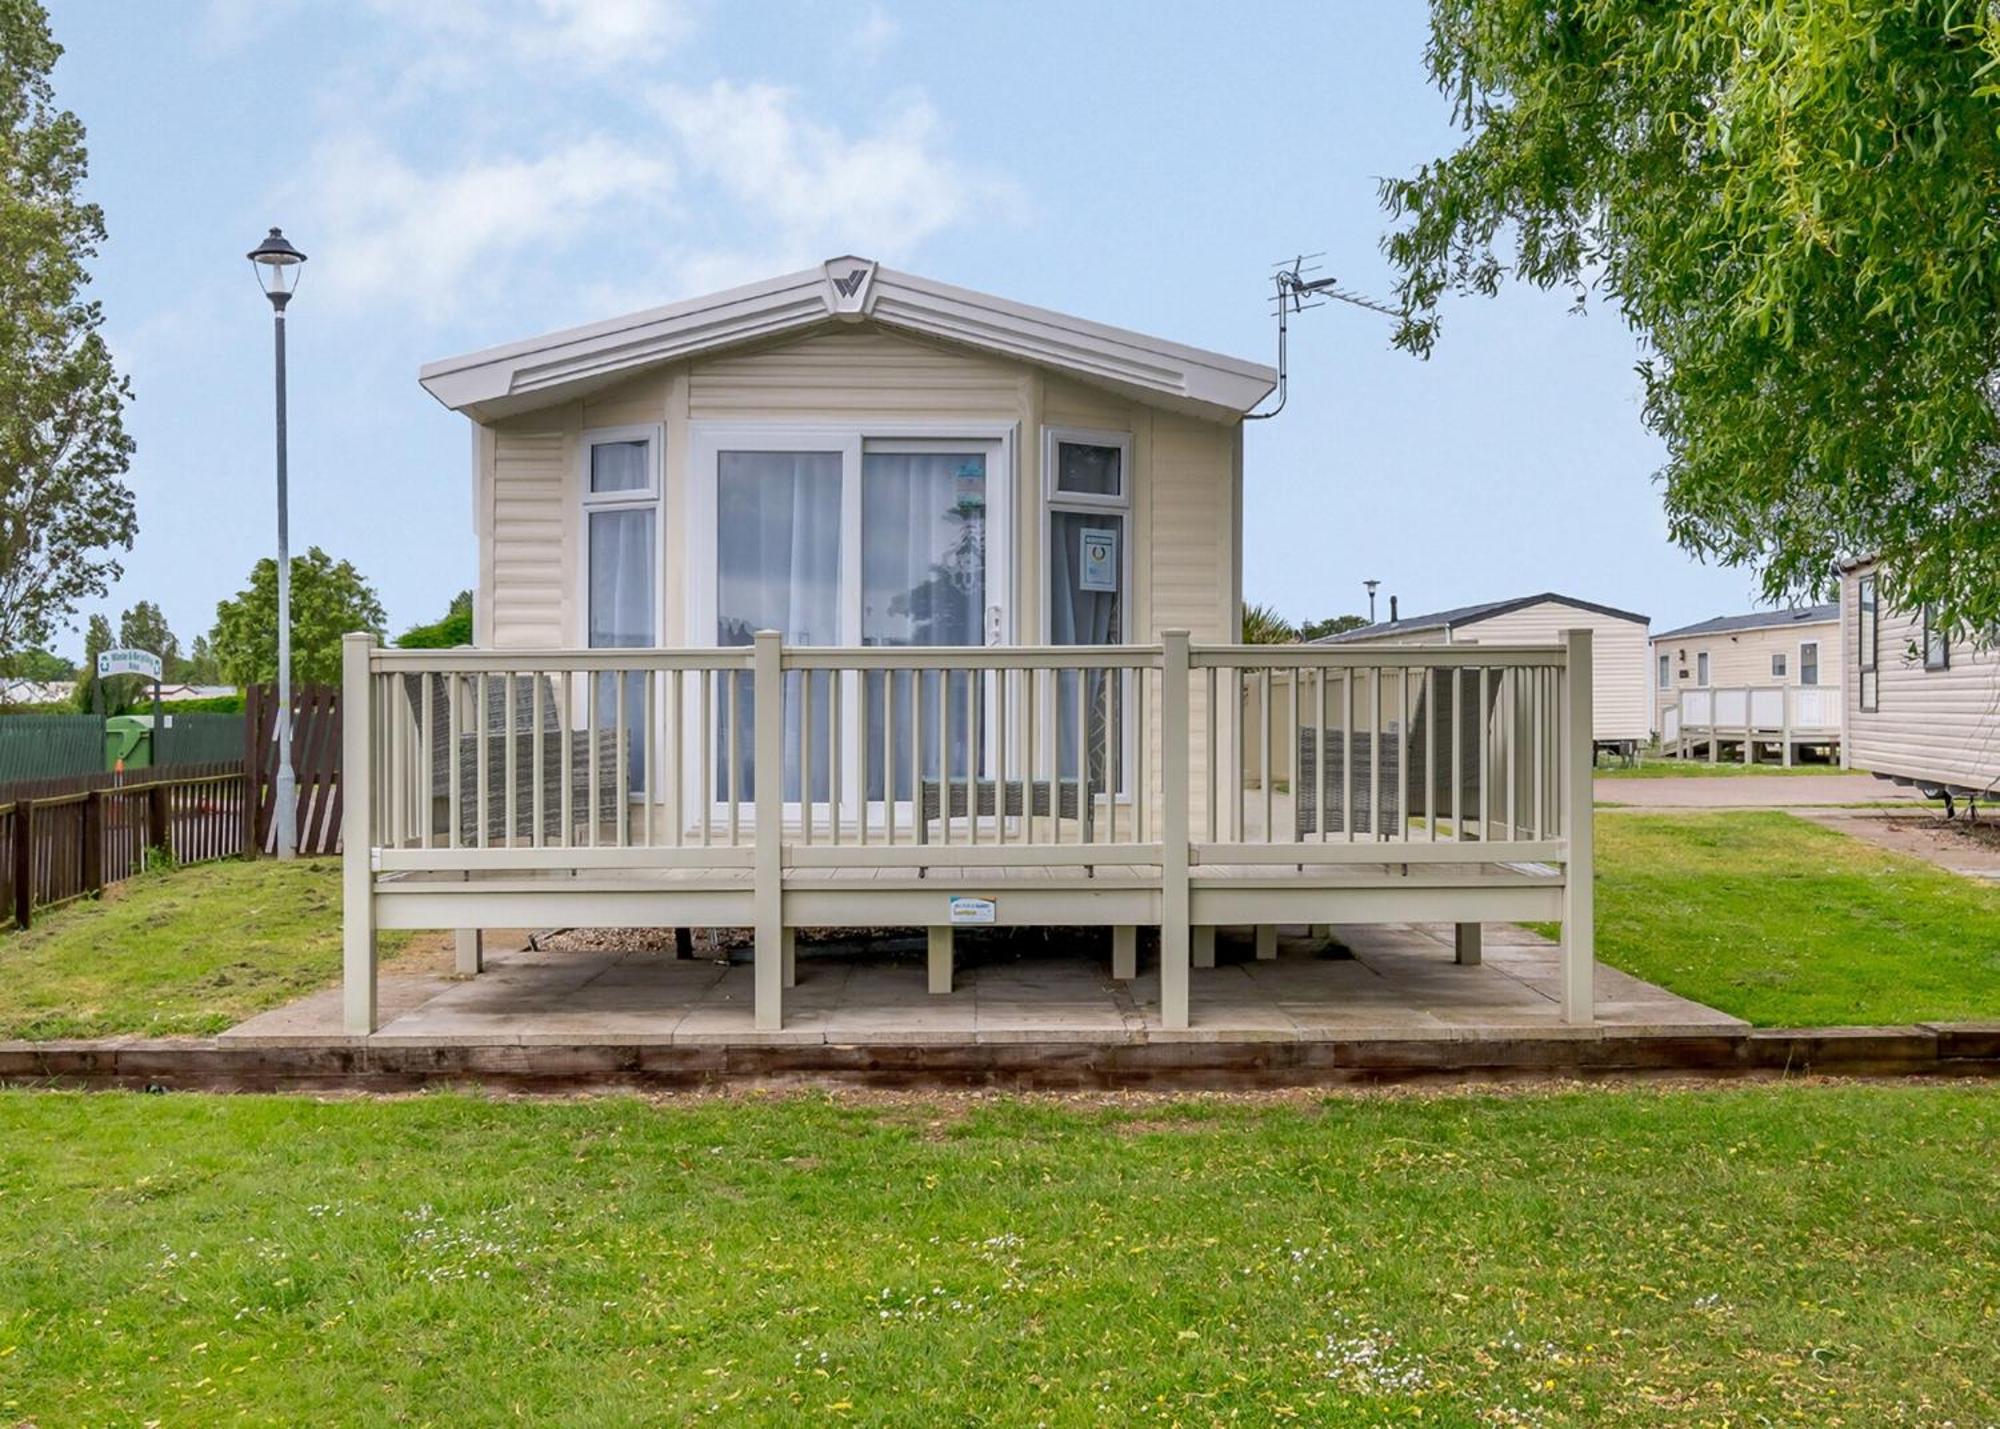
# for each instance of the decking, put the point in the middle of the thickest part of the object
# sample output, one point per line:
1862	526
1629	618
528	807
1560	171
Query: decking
1785	719
937	788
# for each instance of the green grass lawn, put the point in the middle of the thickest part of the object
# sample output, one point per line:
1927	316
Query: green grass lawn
177	951
1652	766
1800	1255
1785	923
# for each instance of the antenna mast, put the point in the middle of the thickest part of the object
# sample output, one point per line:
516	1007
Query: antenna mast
1293	291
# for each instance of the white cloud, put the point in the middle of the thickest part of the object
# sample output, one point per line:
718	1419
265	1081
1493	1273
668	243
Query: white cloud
429	240
458	40
871	39
806	188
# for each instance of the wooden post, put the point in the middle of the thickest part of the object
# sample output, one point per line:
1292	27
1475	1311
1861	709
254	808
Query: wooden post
93	842
1267	942
471	951
768	756
160	820
1469	944
1174	815
1579	944
1785	703
791	943
24	863
357	835
940	960
1124	952
1204	946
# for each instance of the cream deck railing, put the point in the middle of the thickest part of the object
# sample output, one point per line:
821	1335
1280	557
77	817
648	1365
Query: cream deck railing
650	764
1789	714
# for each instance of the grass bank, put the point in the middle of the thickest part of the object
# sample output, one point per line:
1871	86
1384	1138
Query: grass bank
1785	923
176	952
1798	1255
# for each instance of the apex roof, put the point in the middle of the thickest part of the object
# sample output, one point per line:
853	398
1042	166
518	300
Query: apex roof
557	366
1757	620
1469	615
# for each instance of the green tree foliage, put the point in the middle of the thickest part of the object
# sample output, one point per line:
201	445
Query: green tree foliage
201	667
63	449
1332	625
329	600
1793	203
1262	625
97	638
144	627
453	628
37	664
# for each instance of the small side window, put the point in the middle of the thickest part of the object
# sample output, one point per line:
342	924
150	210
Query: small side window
1937	644
1666	672
1867	633
1777	665
1701	669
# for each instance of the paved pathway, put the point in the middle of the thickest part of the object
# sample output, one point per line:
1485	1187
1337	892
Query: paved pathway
1394	981
1751	791
1950	846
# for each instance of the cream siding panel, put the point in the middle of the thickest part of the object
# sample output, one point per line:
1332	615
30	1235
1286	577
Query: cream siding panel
843	374
530	534
1619	654
1939	726
1740	658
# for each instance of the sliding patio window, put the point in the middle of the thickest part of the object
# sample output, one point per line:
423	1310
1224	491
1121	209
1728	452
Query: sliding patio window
1089	496
923	582
621	513
777	567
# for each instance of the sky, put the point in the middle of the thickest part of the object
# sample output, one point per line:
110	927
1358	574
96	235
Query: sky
467	172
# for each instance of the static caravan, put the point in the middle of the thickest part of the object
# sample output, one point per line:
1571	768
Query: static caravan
854	599
1922	708
1769	678
1620	718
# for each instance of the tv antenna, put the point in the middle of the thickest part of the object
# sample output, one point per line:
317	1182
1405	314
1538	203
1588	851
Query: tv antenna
1294	290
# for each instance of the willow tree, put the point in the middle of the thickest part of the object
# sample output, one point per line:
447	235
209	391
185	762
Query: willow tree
1796	205
64	507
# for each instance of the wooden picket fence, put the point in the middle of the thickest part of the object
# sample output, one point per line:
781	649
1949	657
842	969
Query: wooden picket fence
62	839
315	766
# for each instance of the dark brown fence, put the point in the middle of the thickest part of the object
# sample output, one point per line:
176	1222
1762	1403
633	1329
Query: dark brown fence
64	838
315	765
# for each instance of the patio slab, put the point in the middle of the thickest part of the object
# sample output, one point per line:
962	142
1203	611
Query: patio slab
1394	982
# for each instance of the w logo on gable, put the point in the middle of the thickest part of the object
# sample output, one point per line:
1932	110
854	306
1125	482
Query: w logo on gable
848	286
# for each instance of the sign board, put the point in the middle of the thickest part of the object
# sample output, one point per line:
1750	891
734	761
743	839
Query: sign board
964	909
128	662
1100	559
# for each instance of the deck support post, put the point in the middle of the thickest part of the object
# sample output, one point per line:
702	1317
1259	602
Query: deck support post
1267	942
1322	932
941	951
1579	938
357	840
471	949
1175	692
1469	944
1124	952
1204	946
1785	700
683	943
790	940
768	690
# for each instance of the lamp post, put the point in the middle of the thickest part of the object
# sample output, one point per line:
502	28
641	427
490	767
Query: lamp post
276	264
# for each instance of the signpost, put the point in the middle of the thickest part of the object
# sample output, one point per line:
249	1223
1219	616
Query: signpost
135	662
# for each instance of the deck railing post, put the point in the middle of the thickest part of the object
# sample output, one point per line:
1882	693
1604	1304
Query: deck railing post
1579	942
357	838
1174	815
24	863
768	794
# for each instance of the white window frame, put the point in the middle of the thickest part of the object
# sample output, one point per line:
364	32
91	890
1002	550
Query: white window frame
1812	645
1778	664
1054	500
1701	670
1666	672
587	502
706	443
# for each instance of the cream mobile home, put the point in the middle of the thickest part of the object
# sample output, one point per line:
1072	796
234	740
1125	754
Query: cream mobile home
1768	679
851	598
1922	707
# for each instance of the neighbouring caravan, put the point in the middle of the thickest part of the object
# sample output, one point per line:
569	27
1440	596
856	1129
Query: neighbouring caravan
1759	683
1621	717
1922	708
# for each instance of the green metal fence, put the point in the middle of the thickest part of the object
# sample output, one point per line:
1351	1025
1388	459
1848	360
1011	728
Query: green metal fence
50	746
199	739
